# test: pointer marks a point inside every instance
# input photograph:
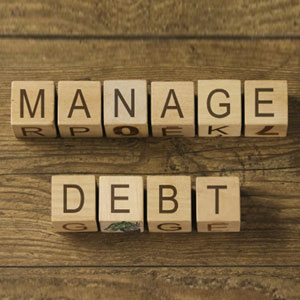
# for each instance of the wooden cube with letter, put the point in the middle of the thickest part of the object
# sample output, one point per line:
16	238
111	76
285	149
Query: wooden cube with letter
219	108
218	204
173	108
33	109
125	108
121	205
73	206
79	109
169	204
266	108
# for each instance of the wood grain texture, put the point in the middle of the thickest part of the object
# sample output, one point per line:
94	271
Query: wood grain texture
150	283
269	169
150	18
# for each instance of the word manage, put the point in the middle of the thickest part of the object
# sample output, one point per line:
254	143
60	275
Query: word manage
125	110
119	204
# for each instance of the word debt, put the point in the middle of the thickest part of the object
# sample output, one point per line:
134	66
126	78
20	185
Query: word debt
125	110
119	206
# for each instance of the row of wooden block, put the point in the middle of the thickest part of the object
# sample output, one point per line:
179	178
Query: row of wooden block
77	206
124	109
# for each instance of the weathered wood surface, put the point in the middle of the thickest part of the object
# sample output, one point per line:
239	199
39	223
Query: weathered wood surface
150	283
150	18
64	41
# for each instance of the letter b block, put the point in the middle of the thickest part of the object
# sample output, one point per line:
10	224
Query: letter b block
32	109
266	108
218	204
74	203
169	203
219	108
125	108
121	205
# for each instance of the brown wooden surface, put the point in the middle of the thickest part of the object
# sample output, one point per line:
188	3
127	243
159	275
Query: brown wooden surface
260	262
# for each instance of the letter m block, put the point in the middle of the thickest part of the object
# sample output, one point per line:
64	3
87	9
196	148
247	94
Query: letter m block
32	109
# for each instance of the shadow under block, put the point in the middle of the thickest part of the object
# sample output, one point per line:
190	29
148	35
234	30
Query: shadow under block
33	109
121	204
73	206
169	204
219	108
79	109
173	108
125	108
266	108
218	204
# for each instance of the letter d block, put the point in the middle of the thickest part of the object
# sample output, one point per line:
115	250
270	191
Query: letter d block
266	108
173	108
169	203
79	109
32	109
219	108
125	108
74	203
121	205
218	204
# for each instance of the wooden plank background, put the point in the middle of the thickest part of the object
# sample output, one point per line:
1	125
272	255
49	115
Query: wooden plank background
153	40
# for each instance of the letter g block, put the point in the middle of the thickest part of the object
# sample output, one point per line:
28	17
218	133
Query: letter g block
73	206
169	204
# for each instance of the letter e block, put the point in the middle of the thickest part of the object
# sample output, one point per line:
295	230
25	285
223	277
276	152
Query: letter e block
219	108
218	204
173	108
266	108
79	109
121	205
169	203
74	203
32	109
125	108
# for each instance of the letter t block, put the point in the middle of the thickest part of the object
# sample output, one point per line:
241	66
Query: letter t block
74	203
32	109
218	204
169	204
121	205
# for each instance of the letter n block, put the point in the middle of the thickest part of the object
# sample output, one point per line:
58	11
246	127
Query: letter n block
121	205
219	108
125	108
217	204
173	108
74	203
266	108
32	109
169	203
79	109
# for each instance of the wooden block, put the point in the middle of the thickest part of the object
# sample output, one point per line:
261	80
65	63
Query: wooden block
169	203
121	205
79	109
266	108
219	108
125	108
173	108
217	204
74	203
32	109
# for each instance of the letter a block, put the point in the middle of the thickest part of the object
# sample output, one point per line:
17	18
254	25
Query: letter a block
32	109
79	109
125	108
169	203
74	203
121	205
173	108
219	108
218	204
266	108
